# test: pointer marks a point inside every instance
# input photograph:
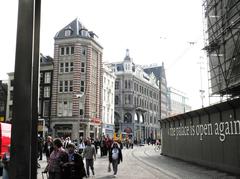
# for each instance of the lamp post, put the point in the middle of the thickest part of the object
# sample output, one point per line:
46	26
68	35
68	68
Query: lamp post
201	84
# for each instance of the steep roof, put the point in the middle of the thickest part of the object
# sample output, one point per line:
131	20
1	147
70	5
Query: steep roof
76	28
158	71
45	59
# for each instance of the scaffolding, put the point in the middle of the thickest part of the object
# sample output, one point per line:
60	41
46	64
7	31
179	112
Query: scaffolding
222	34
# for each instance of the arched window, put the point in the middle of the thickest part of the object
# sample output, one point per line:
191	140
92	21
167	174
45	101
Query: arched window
127	118
136	118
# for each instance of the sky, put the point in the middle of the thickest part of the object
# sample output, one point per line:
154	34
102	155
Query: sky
154	31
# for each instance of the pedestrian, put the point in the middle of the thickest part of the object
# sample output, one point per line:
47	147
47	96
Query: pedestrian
66	142
96	144
40	146
109	143
115	156
6	160
56	160
48	147
102	146
81	147
74	168
89	153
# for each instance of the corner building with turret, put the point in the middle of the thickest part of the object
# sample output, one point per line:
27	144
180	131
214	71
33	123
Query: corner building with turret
77	82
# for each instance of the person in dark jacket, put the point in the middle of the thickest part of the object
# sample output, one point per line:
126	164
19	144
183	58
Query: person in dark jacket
48	147
74	168
115	156
40	147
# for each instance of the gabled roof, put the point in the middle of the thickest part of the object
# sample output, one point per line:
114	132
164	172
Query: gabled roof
45	59
77	29
158	71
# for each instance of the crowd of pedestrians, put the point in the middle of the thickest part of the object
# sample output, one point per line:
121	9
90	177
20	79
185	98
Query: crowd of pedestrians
67	159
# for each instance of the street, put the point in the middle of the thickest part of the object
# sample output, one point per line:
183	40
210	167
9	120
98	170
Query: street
145	163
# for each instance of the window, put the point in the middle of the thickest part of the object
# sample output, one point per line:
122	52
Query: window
62	51
84	51
81	112
65	108
67	50
72	50
82	67
116	84
116	100
12	82
125	84
41	77
47	78
2	106
104	95
129	84
65	86
61	68
47	92
71	66
70	85
46	108
60	86
127	118
82	86
81	109
127	99
68	32
66	67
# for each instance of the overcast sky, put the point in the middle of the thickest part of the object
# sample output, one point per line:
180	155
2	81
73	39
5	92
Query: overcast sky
154	31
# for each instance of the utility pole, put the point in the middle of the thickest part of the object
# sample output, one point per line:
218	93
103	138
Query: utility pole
202	91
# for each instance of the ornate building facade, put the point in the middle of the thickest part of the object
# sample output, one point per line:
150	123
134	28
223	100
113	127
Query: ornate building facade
136	100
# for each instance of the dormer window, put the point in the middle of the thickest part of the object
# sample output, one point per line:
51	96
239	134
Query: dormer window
68	32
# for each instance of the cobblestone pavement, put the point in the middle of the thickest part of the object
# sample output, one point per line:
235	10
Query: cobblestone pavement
145	163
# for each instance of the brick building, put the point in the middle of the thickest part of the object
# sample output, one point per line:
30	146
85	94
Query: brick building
77	82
